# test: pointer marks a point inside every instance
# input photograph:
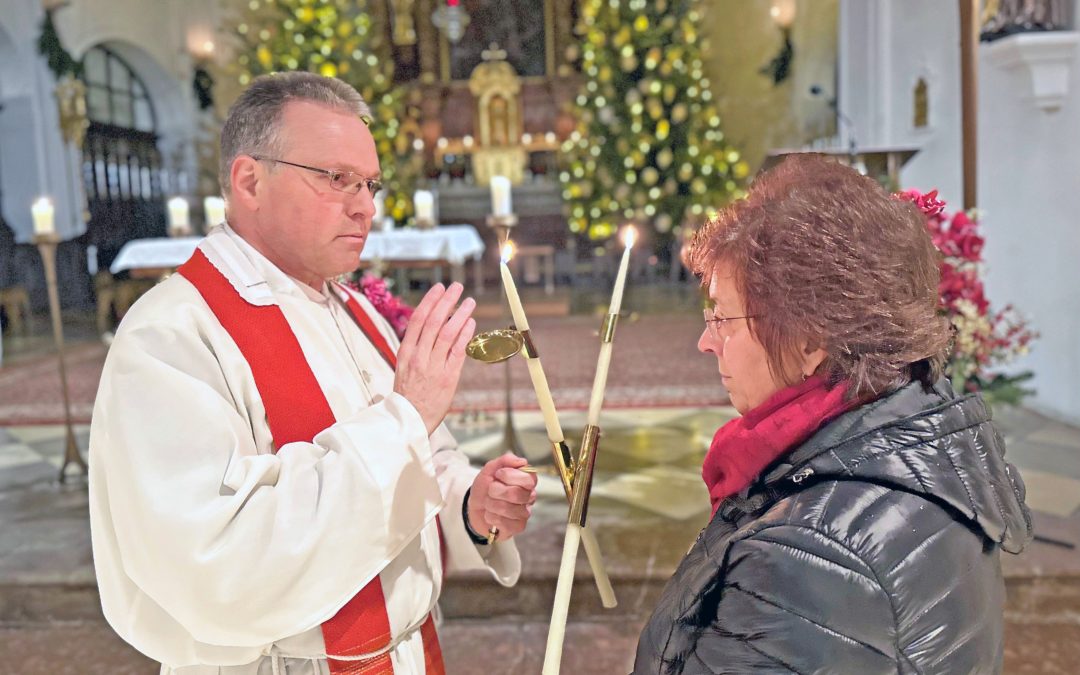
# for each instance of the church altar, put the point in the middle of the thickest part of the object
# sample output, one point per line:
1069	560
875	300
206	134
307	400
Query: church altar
449	245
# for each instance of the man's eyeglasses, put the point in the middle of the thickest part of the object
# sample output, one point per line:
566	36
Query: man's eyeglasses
342	181
720	326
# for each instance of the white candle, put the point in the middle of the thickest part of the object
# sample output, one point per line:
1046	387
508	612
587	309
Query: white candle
380	208
214	211
43	212
510	287
424	203
536	370
596	562
551	420
557	627
600	380
500	196
178	216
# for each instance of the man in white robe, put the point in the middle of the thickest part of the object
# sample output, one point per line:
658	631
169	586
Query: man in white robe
218	550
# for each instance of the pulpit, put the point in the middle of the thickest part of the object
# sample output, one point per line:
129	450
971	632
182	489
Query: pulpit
881	163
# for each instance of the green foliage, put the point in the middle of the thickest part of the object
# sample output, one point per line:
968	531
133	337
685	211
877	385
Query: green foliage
999	388
648	147
335	38
61	62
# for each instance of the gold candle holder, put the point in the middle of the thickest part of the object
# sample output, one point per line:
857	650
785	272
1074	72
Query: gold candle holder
47	245
583	475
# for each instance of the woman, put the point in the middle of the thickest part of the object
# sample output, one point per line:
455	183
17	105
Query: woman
859	504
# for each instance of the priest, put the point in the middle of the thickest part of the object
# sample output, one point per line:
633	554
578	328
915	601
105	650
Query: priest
272	487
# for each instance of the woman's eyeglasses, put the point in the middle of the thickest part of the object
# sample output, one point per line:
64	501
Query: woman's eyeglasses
719	326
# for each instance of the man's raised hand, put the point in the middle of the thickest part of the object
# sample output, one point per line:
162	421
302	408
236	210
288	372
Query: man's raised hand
433	351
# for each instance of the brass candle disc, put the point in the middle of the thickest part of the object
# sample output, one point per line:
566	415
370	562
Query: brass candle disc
494	346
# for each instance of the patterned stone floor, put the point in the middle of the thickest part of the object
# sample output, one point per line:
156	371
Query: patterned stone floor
662	407
648	505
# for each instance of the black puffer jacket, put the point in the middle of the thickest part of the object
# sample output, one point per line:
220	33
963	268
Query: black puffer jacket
872	548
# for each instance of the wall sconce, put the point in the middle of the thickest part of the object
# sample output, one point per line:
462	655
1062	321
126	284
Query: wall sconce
783	15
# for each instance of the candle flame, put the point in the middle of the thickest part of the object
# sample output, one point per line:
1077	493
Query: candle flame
507	251
629	235
42	204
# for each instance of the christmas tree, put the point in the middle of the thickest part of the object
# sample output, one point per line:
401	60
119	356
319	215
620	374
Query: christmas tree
648	147
335	38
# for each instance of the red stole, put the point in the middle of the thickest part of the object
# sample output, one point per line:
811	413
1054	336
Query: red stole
296	411
742	448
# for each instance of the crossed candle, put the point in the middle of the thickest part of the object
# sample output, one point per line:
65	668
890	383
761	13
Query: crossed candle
564	461
583	471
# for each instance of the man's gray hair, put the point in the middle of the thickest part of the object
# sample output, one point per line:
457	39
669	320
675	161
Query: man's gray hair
254	123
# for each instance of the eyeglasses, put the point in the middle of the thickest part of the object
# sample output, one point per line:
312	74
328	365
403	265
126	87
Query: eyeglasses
720	326
342	181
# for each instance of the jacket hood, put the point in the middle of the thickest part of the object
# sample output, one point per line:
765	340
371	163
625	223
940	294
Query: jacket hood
928	442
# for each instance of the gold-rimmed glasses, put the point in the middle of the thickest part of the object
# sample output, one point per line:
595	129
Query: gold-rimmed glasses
342	181
719	326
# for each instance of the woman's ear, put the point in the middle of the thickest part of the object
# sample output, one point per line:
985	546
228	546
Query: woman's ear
813	357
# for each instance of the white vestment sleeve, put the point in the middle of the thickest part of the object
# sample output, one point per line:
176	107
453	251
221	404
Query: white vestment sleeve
455	477
240	546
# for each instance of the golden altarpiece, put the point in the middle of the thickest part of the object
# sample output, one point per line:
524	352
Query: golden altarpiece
493	101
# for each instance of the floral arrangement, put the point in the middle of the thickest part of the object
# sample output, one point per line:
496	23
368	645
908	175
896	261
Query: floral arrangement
982	338
386	303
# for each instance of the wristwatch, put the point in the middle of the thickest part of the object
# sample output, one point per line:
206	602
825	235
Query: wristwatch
478	539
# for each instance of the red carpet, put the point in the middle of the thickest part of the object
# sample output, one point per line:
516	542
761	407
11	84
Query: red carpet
655	363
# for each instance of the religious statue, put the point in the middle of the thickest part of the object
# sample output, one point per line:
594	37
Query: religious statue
500	124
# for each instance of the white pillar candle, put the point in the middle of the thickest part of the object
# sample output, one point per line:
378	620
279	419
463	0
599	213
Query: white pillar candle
214	211
178	216
380	208
43	213
600	380
424	203
501	204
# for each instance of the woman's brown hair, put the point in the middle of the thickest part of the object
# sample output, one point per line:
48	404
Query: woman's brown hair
824	257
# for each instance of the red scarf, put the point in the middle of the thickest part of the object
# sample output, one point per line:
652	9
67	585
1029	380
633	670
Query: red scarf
743	447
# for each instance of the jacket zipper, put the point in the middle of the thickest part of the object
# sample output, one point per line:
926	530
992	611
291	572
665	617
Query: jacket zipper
801	475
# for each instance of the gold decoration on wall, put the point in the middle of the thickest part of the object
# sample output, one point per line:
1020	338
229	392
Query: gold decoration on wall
429	44
922	104
404	29
496	87
71	101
